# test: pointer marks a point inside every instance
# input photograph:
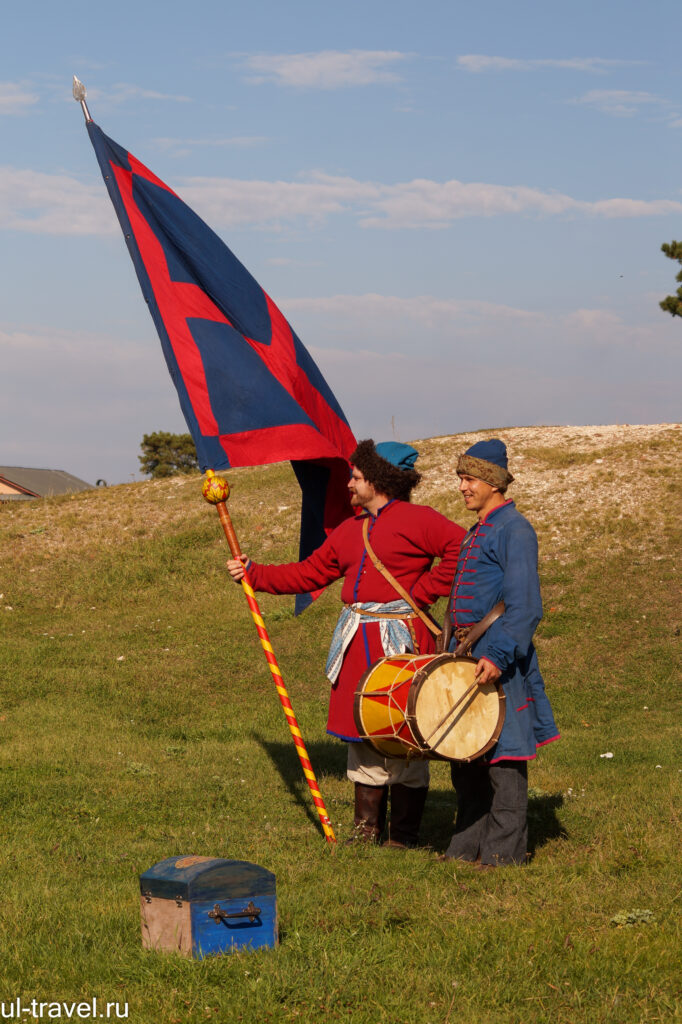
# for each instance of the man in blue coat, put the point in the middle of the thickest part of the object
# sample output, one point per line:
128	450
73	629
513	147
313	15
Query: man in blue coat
498	561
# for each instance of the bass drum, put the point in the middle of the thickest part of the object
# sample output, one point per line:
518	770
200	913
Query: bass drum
429	706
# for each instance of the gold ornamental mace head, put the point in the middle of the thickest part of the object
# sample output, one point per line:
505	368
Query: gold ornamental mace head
215	488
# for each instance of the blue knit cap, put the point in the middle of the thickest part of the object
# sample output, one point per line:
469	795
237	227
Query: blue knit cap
487	460
403	456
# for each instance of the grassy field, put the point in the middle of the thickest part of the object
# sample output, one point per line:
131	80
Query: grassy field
138	721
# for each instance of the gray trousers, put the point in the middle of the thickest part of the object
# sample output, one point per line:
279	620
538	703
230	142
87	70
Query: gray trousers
492	806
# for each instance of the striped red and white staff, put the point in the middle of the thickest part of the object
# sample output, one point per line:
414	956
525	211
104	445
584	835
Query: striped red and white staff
216	491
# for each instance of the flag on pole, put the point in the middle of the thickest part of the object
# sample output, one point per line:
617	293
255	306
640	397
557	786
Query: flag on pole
250	392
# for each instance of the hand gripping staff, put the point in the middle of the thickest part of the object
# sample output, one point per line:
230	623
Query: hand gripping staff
216	491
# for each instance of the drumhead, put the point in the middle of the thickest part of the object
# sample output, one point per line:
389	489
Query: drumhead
474	725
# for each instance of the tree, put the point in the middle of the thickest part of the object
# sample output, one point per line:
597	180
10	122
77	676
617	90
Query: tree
673	303
165	454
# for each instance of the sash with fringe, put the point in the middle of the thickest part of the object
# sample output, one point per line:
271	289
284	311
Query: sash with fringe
395	636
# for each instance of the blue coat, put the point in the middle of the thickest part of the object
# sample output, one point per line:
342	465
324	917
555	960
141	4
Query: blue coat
498	561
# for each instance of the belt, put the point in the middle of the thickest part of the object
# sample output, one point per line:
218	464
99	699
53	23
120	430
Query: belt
381	615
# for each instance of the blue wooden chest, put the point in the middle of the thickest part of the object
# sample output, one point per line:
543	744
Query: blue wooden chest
202	906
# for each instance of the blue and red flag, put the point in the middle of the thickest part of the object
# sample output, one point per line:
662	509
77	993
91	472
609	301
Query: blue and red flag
250	392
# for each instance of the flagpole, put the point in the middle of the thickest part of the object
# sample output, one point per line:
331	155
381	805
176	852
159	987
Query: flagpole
216	491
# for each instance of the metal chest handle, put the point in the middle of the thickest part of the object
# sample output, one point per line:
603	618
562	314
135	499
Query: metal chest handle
218	914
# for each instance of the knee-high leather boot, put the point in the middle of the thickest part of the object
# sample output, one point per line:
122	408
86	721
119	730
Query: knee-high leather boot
370	813
407	807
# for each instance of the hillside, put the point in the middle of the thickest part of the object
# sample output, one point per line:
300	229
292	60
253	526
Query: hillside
562	474
138	721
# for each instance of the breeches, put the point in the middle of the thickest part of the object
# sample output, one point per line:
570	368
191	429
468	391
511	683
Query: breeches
370	768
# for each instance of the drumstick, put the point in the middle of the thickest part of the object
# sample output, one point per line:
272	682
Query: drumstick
448	713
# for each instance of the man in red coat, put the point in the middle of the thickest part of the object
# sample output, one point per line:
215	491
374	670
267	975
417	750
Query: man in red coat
406	538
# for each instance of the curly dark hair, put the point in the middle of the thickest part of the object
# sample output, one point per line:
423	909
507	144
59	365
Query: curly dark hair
385	477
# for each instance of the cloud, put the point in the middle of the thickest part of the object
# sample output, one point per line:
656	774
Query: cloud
435	365
125	92
16	98
111	390
478	62
59	204
231	201
397	318
233	142
420	203
392	358
606	329
53	204
91	64
394	315
327	69
424	203
620	102
285	261
626	208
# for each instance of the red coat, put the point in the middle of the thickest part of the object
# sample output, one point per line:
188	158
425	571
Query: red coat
406	538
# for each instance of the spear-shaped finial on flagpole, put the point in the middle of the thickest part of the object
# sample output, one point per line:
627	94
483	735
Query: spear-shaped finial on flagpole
79	94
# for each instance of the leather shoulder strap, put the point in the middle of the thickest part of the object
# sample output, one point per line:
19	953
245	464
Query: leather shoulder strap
380	567
479	628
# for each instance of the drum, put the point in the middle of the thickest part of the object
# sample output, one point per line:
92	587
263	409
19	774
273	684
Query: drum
428	705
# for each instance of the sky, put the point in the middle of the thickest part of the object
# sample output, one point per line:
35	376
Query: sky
459	208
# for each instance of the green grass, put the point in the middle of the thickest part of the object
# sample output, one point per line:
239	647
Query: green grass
108	766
